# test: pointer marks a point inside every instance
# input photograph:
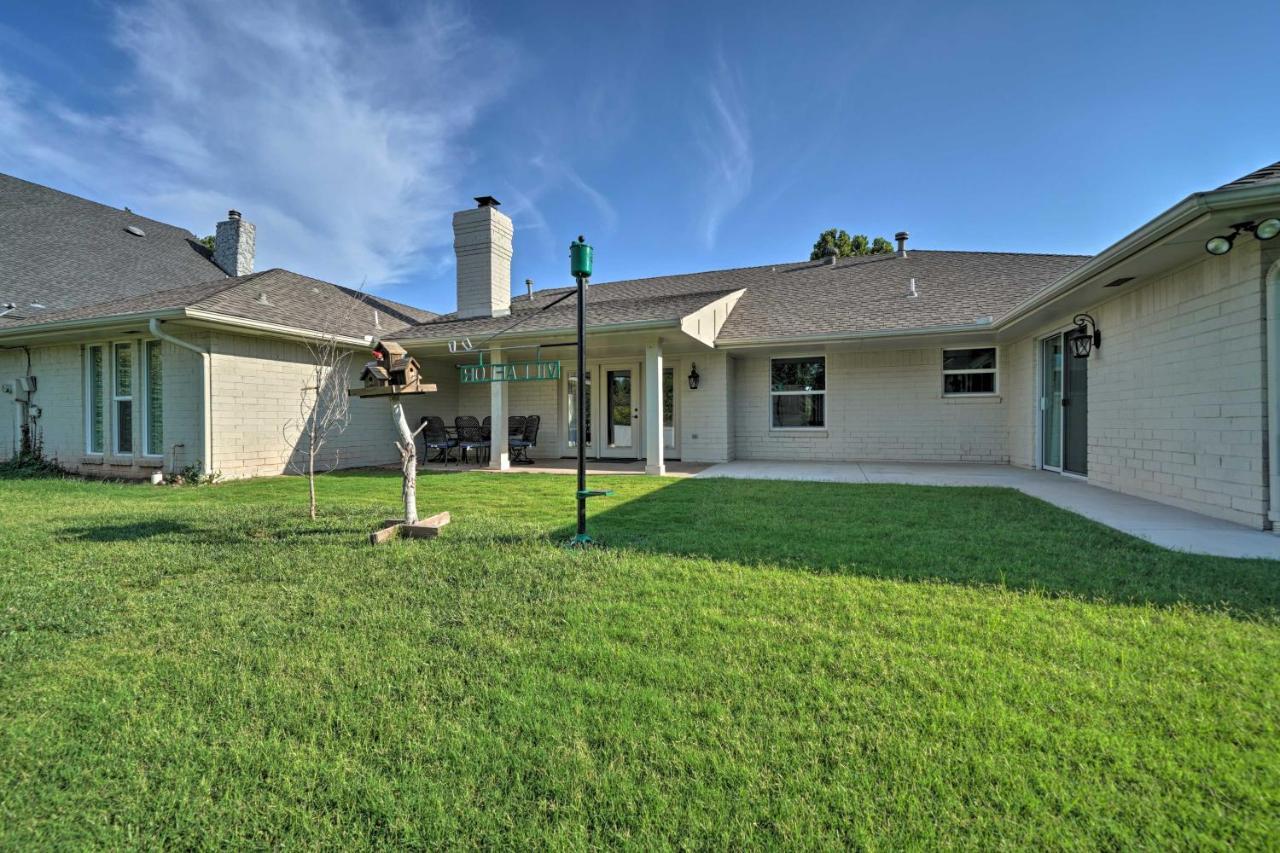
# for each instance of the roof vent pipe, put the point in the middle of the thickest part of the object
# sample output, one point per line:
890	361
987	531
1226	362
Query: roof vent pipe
528	285
912	293
901	237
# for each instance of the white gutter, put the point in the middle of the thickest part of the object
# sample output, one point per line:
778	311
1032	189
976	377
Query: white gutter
906	332
206	393
629	326
273	328
34	329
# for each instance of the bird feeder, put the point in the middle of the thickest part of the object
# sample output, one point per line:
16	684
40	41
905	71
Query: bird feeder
392	371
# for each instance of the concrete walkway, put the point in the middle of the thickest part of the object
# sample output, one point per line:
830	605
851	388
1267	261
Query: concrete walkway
1163	525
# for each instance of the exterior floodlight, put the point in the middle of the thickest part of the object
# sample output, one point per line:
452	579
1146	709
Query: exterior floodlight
1219	245
1267	228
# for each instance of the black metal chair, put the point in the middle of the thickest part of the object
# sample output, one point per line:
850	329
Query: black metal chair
515	427
436	437
526	438
486	427
470	436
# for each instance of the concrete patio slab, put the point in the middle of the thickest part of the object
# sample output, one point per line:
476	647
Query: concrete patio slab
1163	525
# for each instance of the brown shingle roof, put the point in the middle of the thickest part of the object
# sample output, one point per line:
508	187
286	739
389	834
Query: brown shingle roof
1265	175
804	298
274	296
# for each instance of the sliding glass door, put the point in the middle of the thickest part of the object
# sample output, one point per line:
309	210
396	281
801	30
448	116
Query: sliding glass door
1064	407
1051	403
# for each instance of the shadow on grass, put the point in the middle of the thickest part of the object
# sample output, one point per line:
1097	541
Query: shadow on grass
964	535
129	532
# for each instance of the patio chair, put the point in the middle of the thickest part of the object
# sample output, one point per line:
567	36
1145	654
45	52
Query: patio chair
515	427
470	436
486	427
521	442
436	437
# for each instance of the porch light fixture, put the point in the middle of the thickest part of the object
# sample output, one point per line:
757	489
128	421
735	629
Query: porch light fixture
694	378
1087	336
1264	230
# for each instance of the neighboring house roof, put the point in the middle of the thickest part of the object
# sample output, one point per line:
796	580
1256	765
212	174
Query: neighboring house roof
277	297
77	260
62	251
803	298
1265	175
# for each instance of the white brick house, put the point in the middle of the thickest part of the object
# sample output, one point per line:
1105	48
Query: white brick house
910	356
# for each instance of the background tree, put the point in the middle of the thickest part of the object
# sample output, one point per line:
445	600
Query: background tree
324	410
837	242
207	241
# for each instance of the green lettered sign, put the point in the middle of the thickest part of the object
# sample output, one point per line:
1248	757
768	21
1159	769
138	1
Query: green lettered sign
513	371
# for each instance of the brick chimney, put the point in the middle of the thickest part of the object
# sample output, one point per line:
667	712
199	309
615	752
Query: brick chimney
482	243
233	245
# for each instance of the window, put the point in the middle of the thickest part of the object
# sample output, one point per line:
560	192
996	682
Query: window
571	397
969	371
122	397
95	410
798	392
153	388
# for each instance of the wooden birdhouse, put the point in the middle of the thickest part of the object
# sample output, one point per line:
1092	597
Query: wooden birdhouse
391	365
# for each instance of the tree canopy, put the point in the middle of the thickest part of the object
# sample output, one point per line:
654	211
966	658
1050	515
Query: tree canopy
837	242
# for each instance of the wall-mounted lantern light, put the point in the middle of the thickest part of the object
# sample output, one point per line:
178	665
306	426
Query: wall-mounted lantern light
1264	230
1086	338
694	378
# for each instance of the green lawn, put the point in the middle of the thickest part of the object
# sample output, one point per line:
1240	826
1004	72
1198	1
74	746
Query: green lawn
744	663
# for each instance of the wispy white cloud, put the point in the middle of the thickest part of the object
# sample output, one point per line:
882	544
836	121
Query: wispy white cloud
724	140
555	171
340	137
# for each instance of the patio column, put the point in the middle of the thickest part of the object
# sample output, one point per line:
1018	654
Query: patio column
653	463
499	456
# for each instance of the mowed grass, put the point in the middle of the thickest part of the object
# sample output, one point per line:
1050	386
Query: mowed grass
741	664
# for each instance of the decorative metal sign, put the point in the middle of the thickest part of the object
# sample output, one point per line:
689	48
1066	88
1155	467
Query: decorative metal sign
512	371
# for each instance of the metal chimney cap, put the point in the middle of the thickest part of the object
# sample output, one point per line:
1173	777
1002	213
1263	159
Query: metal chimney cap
487	201
233	214
901	235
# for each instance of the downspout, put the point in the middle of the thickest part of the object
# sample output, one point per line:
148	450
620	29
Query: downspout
206	393
1272	297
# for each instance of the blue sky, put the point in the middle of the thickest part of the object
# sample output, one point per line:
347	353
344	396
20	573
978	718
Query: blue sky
677	137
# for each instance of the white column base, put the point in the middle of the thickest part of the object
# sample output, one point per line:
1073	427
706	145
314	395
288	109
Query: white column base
655	470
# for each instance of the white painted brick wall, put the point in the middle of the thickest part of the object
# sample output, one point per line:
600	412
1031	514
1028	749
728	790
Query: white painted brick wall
256	385
881	405
706	434
1177	393
59	370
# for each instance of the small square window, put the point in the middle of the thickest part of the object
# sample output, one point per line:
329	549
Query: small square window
969	371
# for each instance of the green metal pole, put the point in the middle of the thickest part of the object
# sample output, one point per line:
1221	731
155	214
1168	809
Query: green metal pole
582	537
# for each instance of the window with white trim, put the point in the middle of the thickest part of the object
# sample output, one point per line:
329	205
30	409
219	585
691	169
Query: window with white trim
153	399
95	389
798	392
968	371
122	398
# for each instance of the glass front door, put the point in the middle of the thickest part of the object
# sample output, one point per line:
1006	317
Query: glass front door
622	416
571	408
670	434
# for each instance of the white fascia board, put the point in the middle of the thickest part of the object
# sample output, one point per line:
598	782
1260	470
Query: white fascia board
274	329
